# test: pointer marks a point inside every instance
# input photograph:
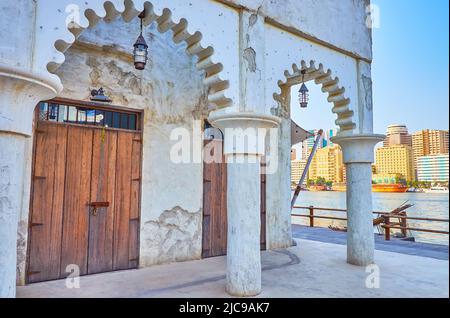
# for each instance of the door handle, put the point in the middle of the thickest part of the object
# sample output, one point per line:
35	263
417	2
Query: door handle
97	205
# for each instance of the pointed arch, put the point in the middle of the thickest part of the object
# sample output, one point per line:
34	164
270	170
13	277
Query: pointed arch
62	22
330	85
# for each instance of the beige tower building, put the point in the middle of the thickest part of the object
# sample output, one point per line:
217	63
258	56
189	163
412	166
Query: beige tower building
297	168
396	159
430	142
397	135
293	154
328	163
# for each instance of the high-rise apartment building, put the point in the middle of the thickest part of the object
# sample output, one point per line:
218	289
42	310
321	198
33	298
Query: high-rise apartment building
430	142
329	134
434	168
328	163
395	159
293	154
297	168
427	143
308	144
397	135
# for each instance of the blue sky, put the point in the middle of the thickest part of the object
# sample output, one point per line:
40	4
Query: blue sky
410	69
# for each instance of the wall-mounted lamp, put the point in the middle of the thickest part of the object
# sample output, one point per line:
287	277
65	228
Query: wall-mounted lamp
99	96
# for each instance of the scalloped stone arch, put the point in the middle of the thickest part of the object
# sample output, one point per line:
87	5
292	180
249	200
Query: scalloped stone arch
330	85
108	10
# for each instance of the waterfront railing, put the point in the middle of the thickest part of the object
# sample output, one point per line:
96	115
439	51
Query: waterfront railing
387	225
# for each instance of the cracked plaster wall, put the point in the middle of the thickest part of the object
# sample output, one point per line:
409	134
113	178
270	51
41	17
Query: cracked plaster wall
171	94
340	23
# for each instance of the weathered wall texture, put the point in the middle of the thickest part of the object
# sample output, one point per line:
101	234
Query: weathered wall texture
172	95
22	230
254	47
11	166
340	23
293	49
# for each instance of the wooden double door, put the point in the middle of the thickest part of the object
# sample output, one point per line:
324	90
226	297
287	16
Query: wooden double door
215	223
85	208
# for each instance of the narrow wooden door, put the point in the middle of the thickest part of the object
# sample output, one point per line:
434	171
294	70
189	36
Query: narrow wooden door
101	226
215	223
85	200
214	204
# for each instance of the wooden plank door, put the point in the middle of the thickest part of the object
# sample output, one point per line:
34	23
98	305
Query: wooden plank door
214	204
75	227
127	200
74	168
215	223
47	205
101	225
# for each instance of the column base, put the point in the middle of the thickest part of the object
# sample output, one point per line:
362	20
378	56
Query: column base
240	293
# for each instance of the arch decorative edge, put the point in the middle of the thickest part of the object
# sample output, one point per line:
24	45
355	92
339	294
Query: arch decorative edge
330	85
65	36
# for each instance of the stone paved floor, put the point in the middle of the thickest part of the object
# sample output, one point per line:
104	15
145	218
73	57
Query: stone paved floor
310	269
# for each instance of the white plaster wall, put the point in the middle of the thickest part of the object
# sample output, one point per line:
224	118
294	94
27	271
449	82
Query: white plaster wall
341	23
172	95
286	49
278	191
16	42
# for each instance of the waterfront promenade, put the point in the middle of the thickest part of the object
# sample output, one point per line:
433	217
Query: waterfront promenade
312	268
326	235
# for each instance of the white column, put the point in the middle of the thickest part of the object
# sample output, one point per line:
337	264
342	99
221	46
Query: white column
19	94
358	156
246	126
244	146
244	225
12	149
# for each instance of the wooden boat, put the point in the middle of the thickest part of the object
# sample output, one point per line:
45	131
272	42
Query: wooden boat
389	188
316	188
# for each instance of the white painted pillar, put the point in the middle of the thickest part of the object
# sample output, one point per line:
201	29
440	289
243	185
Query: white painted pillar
19	94
245	126
244	146
358	156
12	164
244	224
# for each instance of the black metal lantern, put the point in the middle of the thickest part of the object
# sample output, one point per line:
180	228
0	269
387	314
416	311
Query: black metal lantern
303	93
140	49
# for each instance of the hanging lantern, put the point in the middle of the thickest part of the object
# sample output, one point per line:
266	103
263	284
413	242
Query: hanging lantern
140	49
303	92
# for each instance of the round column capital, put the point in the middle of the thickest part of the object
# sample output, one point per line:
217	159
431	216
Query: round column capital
243	120
20	92
245	133
358	148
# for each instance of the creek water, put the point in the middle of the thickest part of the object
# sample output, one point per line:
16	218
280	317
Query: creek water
427	205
